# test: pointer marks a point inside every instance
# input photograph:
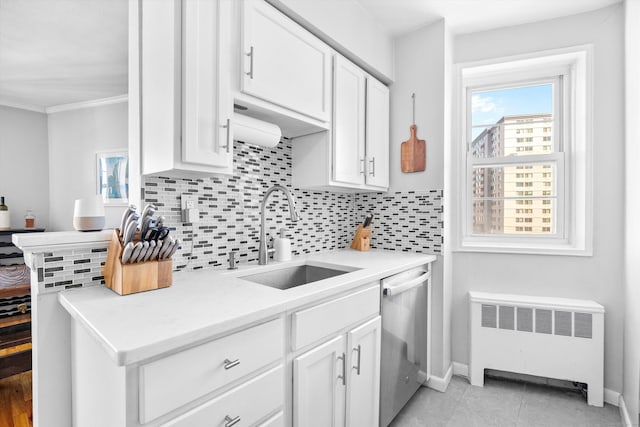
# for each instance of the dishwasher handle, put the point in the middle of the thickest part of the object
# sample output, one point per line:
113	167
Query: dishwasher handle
389	290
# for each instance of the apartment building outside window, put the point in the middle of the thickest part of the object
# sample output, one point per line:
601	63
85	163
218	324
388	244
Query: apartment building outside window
524	134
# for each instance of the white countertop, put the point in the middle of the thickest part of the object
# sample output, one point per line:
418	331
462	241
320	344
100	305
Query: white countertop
205	303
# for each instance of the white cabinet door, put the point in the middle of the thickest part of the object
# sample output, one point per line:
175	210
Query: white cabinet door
319	386
207	106
348	122
283	63
363	383
377	134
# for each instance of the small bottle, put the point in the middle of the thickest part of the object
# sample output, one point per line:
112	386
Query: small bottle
5	221
29	219
282	245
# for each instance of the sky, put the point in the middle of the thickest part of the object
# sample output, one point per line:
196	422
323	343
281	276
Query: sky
488	107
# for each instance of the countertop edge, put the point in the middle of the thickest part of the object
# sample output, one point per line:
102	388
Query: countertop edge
123	357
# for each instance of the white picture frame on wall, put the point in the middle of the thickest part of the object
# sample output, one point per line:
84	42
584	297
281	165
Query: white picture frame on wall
112	177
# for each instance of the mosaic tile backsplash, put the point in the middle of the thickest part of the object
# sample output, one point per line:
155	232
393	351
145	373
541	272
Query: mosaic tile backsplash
230	212
230	219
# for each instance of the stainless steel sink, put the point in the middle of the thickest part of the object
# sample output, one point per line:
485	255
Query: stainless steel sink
290	277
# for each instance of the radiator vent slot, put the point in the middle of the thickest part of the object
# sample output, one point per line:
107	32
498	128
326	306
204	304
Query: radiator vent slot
489	316
543	321
563	323
506	317
556	322
583	325
525	319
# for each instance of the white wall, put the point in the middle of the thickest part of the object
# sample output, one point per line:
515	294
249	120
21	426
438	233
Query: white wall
631	372
421	64
24	164
349	28
598	277
420	70
75	136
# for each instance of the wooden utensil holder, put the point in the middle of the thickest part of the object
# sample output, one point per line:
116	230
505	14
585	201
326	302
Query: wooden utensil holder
125	279
362	239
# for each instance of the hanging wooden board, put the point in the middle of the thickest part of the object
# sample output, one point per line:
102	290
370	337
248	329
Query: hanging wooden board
413	153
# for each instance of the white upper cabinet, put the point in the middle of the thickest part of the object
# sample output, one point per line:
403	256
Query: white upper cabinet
186	105
207	106
349	82
354	155
377	131
283	63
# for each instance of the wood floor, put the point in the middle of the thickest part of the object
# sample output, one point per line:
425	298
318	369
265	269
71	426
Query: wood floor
15	401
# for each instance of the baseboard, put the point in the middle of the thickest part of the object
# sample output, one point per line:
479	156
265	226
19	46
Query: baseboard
460	369
624	414
441	384
610	396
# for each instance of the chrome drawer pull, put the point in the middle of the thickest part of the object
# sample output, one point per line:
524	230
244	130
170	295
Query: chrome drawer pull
231	421
373	166
357	368
228	127
250	55
228	364
343	377
362	165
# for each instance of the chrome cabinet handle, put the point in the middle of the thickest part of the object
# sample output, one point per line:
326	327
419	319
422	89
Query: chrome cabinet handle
357	367
228	421
362	165
250	55
228	127
373	166
228	364
343	377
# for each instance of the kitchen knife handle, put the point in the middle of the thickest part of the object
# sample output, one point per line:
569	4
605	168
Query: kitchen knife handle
250	55
228	127
231	421
228	364
343	377
373	166
359	350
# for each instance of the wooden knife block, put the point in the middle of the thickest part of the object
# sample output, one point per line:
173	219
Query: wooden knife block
362	239
125	279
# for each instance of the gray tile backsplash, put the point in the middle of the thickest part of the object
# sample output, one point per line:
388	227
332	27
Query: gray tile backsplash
230	212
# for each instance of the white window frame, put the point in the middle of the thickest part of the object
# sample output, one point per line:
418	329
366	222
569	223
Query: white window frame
573	158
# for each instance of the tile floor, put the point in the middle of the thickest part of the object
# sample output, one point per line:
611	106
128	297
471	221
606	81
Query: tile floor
503	403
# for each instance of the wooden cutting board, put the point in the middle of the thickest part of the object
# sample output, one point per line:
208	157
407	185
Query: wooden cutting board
413	153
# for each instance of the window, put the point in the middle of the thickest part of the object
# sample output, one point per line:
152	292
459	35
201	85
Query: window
524	122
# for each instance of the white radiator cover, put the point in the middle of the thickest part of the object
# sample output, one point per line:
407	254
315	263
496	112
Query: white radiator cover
547	337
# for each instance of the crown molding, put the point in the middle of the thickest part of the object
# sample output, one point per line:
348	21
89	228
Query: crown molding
87	104
21	105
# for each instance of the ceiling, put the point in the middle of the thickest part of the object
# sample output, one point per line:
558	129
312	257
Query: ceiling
467	16
55	52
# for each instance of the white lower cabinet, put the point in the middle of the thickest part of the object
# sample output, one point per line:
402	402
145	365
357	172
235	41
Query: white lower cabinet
242	406
338	382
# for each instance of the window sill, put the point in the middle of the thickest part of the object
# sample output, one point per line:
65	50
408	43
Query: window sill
533	248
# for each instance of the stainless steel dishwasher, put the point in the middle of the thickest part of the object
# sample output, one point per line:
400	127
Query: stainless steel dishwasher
406	330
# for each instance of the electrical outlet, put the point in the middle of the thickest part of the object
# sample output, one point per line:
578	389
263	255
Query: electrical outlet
188	201
189	206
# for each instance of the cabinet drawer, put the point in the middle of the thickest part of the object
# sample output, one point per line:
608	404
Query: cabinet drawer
323	320
275	421
250	401
169	383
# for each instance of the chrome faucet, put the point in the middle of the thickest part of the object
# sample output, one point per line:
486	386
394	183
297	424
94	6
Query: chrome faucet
263	253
